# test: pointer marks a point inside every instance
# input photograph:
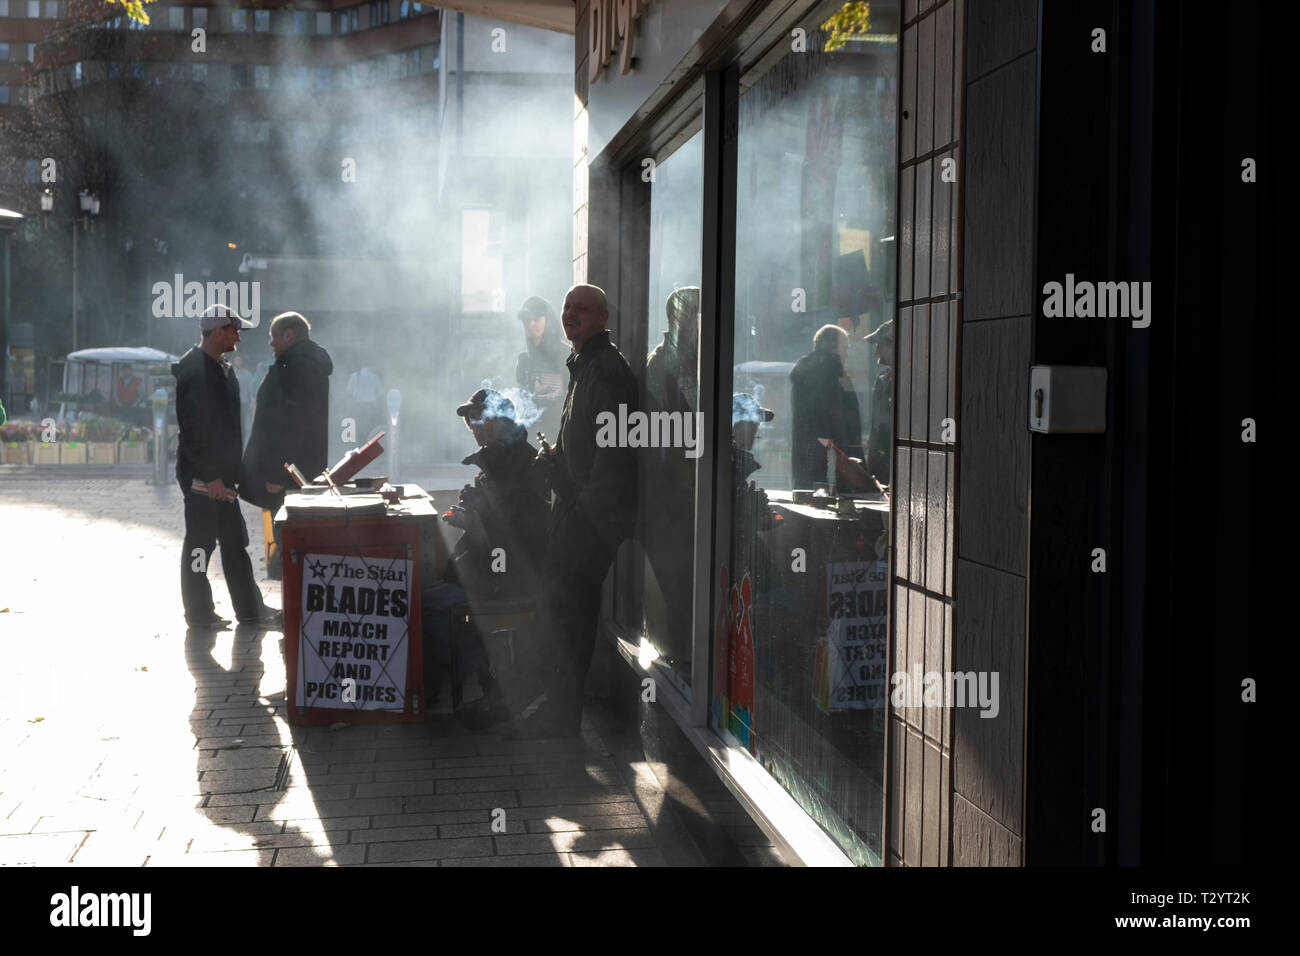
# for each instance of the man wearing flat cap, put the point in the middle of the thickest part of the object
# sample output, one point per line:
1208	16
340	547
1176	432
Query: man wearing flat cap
503	514
208	469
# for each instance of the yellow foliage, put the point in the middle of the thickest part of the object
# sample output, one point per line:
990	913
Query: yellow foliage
134	9
852	19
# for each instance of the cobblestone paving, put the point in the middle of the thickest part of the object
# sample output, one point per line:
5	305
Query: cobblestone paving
126	742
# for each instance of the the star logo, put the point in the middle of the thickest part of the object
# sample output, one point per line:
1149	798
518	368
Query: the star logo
317	569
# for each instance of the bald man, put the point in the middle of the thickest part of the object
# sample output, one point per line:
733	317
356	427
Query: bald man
594	511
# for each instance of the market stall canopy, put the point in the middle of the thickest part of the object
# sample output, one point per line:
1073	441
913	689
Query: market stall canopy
137	354
556	15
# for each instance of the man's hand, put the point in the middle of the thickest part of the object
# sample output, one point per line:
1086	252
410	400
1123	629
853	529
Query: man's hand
274	489
217	489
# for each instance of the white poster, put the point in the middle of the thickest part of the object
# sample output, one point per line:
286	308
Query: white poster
353	639
854	656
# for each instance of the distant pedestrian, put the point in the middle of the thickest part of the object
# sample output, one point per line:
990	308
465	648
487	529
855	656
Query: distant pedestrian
540	369
208	469
128	386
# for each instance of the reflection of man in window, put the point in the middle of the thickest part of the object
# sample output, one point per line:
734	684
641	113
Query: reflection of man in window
667	527
878	455
128	386
671	368
823	404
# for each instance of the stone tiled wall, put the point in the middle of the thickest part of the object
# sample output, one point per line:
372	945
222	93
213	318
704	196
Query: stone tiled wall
965	253
993	529
925	413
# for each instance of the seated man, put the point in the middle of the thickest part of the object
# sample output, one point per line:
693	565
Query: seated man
503	514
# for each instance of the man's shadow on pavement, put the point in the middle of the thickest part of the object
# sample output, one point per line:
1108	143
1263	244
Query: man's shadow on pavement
244	757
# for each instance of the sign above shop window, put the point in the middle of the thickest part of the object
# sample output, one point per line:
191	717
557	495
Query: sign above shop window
612	27
646	40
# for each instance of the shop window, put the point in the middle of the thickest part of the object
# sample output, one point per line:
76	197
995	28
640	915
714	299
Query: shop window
670	388
801	654
482	260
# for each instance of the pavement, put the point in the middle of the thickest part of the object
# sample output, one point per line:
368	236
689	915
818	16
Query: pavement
127	741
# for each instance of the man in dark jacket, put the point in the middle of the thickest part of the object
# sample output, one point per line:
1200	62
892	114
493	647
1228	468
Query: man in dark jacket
292	420
503	514
208	469
823	404
594	511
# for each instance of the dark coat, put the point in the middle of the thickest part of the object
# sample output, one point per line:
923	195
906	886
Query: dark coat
207	410
823	404
598	485
291	423
510	500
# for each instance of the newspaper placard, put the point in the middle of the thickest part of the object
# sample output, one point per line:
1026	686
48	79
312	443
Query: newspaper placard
851	659
353	638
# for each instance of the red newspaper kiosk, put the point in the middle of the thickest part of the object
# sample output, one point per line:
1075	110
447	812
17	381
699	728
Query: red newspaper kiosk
354	557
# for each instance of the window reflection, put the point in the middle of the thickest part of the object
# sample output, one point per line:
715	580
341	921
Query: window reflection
671	389
802	632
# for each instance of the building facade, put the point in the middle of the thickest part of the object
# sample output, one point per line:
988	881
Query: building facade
937	176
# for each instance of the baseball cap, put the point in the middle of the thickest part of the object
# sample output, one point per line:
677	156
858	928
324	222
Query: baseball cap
745	408
218	316
487	403
535	305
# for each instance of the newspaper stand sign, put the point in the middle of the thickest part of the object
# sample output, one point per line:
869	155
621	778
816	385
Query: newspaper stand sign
352	621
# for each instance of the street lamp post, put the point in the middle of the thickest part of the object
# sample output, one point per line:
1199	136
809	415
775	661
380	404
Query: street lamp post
89	207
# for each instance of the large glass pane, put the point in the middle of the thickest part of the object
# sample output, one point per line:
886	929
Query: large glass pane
800	646
670	397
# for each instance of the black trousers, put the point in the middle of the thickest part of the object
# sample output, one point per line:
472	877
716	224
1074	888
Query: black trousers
209	523
577	561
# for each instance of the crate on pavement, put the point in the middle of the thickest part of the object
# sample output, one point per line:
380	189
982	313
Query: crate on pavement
132	452
73	453
15	453
102	452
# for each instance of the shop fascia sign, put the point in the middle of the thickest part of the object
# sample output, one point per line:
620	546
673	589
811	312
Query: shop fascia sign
612	25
